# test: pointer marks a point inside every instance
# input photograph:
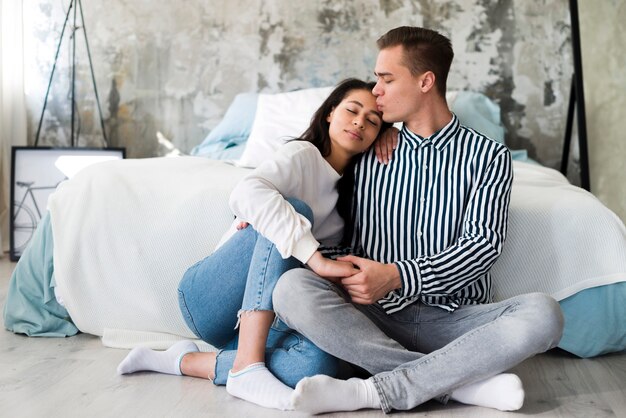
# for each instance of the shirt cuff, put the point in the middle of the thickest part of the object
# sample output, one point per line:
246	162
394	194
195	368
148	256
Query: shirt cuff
410	278
305	248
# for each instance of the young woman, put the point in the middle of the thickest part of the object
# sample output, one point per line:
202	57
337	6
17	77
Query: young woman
285	209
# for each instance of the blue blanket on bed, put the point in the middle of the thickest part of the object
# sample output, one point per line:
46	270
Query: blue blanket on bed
31	307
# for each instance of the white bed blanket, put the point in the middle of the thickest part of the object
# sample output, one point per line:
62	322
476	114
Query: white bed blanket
561	239
126	231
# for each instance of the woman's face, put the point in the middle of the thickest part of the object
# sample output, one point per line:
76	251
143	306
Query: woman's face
354	123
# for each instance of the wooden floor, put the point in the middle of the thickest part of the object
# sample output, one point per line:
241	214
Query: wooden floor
76	377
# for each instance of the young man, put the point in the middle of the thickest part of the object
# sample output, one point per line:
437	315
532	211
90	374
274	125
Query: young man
430	224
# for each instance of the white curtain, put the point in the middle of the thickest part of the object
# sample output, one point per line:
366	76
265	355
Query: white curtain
12	102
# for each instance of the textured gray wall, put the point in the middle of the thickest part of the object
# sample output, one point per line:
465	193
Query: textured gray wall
175	66
604	60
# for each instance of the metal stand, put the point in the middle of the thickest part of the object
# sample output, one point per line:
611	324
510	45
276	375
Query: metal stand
74	5
577	104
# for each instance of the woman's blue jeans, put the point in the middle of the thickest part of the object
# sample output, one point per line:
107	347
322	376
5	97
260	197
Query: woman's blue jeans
241	275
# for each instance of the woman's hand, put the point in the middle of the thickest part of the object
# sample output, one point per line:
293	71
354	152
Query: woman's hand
385	144
242	225
329	269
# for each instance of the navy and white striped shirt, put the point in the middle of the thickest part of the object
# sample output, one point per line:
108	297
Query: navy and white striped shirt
439	211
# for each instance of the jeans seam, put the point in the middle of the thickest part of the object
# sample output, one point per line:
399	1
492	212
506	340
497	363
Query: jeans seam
217	359
261	282
268	250
297	346
384	402
417	325
188	315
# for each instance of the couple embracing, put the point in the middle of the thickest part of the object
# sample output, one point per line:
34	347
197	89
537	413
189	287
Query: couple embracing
337	258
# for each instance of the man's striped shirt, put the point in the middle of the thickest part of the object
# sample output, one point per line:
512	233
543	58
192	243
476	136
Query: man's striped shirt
439	211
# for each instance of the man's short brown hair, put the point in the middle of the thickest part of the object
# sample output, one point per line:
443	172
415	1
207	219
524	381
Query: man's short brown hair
424	50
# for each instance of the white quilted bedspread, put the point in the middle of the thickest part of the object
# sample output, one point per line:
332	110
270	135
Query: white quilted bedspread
126	231
561	239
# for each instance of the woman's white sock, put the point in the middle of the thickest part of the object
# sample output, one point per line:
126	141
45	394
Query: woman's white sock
144	359
320	394
258	385
503	391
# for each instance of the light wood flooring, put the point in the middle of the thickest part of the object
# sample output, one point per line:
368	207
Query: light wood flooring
76	377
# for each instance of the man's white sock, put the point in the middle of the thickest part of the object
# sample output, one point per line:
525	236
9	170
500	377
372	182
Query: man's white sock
144	359
320	394
258	385
503	391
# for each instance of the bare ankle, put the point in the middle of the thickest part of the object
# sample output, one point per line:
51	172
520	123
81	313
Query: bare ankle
253	330
199	364
240	364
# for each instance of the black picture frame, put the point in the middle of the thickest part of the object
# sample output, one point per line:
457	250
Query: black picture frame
35	174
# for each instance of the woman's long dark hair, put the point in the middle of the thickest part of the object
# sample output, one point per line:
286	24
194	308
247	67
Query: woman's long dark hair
317	134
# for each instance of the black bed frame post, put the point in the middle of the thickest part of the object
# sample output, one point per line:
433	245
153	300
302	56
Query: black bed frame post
577	104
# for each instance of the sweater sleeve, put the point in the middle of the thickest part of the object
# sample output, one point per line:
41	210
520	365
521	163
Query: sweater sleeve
260	199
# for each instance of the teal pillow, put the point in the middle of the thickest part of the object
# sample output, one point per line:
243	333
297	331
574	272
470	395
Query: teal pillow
225	140
477	111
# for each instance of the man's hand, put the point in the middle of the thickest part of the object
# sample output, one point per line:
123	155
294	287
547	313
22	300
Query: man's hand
330	269
372	282
385	144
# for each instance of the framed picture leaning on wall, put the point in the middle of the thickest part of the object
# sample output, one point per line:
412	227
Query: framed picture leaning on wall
35	174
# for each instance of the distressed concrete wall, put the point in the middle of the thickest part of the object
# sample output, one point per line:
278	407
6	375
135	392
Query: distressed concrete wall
604	59
175	67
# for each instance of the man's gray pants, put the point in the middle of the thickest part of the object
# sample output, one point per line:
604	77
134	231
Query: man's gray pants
421	352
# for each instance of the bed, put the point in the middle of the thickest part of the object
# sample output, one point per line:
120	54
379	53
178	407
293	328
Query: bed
119	235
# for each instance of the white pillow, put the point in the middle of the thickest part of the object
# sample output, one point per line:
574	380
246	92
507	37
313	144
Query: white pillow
280	117
283	116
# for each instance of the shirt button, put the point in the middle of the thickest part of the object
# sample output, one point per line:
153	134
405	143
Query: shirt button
419	233
422	200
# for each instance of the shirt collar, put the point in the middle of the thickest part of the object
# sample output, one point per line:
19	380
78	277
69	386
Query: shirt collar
439	139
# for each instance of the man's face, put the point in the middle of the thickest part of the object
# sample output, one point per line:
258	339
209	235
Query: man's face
397	91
